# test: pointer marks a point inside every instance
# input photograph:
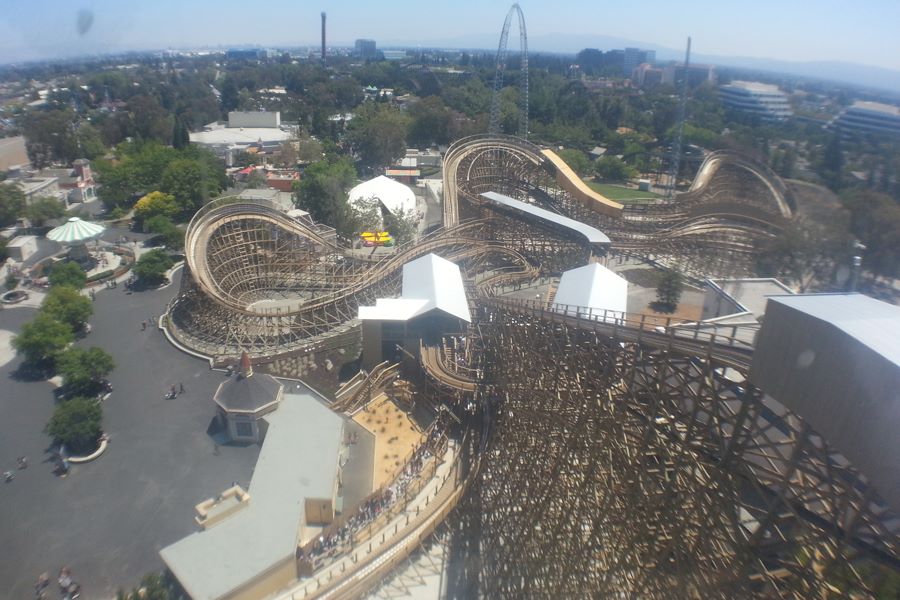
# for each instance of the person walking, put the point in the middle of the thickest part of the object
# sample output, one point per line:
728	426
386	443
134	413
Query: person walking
143	325
180	388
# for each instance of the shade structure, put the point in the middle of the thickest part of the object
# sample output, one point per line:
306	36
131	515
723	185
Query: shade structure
74	231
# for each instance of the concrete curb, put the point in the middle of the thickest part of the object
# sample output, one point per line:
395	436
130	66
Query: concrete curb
85	459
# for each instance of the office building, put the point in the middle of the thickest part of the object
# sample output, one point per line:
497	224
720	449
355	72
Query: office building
869	118
756	99
365	49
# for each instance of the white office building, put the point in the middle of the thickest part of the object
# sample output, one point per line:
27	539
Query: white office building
869	118
754	98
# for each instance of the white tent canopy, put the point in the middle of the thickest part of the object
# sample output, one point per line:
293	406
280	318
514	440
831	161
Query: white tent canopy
592	289
429	283
396	197
75	231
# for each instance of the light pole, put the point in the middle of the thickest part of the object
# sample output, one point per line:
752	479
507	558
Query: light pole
855	265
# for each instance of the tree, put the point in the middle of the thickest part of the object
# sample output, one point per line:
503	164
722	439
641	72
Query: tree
151	267
613	169
12	203
378	134
155	204
50	136
805	253
77	423
323	193
181	138
172	236
429	122
287	155
42	339
309	150
68	274
403	226
83	370
154	586
183	179
42	210
67	305
668	291
577	160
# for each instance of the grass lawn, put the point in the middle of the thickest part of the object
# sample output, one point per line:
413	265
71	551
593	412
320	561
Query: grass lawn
621	194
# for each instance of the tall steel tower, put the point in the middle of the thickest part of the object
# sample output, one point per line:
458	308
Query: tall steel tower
323	39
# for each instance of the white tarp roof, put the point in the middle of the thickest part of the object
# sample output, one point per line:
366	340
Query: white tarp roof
429	283
595	287
74	230
396	197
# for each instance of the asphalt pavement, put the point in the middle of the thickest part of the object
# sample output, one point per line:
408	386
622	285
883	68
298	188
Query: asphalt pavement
109	518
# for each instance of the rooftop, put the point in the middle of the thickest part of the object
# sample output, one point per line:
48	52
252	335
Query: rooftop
886	109
228	136
751	294
248	394
754	86
429	283
298	460
593	286
592	234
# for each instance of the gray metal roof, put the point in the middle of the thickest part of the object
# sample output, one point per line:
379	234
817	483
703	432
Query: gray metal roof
834	359
593	235
247	394
298	460
872	322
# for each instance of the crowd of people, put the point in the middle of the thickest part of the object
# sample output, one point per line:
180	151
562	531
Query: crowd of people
69	589
381	501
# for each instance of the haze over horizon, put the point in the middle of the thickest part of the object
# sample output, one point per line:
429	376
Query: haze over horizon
787	30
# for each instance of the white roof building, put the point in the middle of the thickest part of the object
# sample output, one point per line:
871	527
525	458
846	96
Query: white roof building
835	360
429	283
394	196
592	291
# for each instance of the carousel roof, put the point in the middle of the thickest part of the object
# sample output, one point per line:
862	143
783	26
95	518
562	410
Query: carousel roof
75	230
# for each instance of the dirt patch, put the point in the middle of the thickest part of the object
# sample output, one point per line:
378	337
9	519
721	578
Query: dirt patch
395	437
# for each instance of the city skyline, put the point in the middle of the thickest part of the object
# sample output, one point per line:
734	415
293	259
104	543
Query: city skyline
786	31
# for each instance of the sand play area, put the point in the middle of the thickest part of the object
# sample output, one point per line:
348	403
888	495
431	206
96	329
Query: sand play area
395	436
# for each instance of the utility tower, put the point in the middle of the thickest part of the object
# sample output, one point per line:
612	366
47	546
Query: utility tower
323	39
682	106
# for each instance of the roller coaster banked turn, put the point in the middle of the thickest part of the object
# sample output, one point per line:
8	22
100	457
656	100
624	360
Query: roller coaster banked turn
615	461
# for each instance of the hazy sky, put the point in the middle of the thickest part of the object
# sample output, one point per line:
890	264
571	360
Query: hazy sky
864	31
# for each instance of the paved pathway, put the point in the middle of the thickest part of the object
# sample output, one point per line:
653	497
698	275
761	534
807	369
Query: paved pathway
108	519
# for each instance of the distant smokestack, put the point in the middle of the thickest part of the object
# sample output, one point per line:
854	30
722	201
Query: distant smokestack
323	38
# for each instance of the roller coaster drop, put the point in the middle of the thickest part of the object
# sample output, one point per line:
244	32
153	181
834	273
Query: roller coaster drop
612	460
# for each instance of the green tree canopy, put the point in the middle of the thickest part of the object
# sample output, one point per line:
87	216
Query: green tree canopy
151	267
805	253
77	423
323	192
668	291
429	123
42	210
613	169
67	273
378	134
82	370
67	305
42	339
172	236
12	203
154	204
577	160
